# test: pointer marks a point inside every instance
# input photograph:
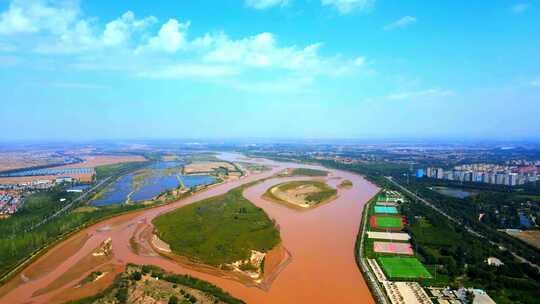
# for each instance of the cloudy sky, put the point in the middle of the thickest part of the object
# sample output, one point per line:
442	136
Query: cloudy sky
269	68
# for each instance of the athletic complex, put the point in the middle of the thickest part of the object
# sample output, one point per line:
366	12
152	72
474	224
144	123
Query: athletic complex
389	252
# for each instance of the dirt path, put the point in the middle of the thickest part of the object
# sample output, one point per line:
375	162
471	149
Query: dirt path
321	242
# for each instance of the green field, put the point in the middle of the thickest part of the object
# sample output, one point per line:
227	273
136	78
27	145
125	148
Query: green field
308	172
388	222
218	230
403	268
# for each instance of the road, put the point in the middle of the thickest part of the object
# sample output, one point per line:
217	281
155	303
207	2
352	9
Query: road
68	206
456	221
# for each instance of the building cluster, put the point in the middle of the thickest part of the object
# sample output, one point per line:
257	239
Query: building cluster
509	175
38	184
451	296
10	201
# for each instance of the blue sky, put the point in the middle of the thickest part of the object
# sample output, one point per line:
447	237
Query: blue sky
270	69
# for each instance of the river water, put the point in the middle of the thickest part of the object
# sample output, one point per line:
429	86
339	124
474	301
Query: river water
320	240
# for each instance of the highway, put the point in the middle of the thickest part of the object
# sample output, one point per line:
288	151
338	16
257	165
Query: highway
456	221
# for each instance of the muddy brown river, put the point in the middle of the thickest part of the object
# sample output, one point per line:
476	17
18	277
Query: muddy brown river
321	241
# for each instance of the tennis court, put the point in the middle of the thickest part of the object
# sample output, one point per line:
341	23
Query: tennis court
393	247
393	236
403	268
385	209
391	204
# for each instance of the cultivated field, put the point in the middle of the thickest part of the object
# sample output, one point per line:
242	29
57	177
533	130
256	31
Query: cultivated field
531	237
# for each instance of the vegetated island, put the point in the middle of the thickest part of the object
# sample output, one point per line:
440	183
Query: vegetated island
226	232
303	194
345	184
151	284
306	172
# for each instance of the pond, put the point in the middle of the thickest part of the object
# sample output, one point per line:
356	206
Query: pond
148	183
454	192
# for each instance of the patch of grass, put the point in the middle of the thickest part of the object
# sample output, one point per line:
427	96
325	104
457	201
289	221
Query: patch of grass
383	222
117	169
308	172
218	230
403	268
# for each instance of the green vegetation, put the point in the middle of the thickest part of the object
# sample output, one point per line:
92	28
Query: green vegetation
308	172
396	268
346	184
17	238
170	288
388	221
322	193
218	230
117	169
91	277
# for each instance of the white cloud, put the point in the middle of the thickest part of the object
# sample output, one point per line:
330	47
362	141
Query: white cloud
520	8
264	4
430	93
360	61
30	16
348	6
261	51
400	23
170	38
130	45
119	31
536	82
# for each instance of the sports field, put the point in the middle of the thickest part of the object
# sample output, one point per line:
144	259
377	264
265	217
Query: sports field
403	268
385	209
386	222
393	236
393	247
391	204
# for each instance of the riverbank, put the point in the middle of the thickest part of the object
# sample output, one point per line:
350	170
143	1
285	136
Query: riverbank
322	268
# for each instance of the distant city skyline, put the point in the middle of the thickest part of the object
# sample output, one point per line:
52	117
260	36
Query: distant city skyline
289	69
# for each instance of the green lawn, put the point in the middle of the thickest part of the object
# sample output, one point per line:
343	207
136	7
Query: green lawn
218	230
403	268
388	222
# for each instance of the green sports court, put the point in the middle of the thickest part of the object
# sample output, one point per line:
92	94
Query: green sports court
403	268
389	222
